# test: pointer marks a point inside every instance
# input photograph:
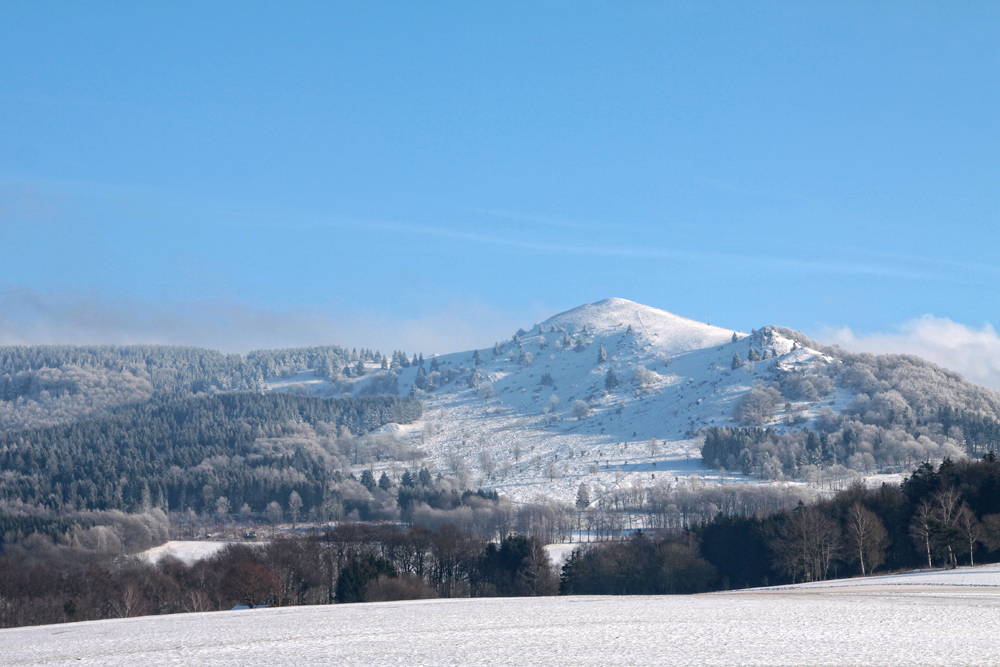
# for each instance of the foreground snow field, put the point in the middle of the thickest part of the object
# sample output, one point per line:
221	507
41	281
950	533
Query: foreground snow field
909	624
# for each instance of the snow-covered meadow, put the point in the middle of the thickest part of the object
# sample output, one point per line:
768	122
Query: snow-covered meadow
954	621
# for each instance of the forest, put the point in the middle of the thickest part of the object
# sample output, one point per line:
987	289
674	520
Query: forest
900	410
187	452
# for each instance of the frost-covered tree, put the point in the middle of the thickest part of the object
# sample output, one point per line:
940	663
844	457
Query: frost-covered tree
477	358
273	512
295	505
602	354
487	391
496	350
582	497
644	377
222	509
735	338
757	406
580	409
737	362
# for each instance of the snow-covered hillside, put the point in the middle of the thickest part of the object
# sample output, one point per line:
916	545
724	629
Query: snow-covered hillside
541	416
830	626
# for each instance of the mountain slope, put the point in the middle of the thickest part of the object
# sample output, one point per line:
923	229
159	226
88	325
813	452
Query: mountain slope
538	414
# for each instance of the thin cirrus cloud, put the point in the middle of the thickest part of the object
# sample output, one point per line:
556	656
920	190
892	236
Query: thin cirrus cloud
32	317
835	267
973	352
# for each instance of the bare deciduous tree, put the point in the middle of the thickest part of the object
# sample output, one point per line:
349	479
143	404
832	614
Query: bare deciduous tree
807	543
866	538
970	529
921	528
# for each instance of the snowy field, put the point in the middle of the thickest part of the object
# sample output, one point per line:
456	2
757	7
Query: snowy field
187	551
981	576
943	618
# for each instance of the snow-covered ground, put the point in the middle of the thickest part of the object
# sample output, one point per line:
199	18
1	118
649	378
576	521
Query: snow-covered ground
187	551
822	626
981	576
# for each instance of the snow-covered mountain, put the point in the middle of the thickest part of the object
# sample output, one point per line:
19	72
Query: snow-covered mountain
615	393
538	414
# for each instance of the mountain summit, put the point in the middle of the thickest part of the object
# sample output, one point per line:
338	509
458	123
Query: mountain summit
671	333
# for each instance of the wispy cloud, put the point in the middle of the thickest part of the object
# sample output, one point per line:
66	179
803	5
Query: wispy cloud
30	317
32	200
975	353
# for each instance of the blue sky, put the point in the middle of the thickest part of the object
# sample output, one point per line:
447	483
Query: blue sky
428	175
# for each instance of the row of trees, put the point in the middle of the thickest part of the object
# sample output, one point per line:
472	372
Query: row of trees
939	517
351	563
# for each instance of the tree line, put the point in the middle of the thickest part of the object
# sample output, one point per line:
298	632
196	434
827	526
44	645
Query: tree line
349	563
940	517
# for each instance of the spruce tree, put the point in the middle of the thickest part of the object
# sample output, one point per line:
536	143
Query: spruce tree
602	354
610	379
737	362
477	358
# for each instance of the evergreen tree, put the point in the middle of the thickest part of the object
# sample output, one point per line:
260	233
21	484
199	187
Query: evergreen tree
496	349
582	497
610	379
602	354
359	369
385	366
477	358
384	482
737	362
434	363
734	337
